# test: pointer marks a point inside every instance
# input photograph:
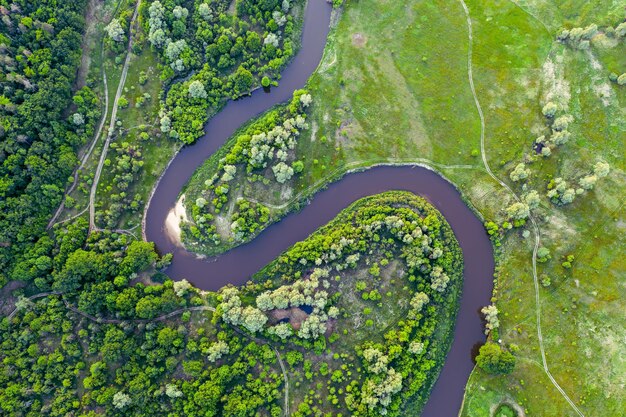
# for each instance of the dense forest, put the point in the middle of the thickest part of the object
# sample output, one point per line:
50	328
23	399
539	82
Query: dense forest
102	342
213	52
43	121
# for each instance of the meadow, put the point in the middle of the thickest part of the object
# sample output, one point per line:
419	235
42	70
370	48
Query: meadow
393	87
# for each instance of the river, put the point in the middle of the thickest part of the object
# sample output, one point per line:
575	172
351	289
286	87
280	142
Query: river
238	264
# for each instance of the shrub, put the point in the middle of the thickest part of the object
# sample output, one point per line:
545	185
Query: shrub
495	360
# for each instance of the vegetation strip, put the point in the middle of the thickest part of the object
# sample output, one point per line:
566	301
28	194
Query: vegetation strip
105	147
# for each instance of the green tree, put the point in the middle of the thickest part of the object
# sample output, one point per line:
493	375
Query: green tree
495	360
242	80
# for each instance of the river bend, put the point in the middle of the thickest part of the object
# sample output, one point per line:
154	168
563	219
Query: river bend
238	264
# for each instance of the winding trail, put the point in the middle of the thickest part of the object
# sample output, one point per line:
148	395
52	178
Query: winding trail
31	298
111	129
94	141
533	221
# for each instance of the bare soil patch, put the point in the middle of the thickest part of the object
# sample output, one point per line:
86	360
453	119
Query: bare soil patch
294	315
359	40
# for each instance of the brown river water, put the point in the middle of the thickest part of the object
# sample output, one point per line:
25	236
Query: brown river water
237	265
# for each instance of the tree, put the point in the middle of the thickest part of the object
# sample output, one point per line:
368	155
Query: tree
242	80
201	202
169	338
166	123
549	110
494	360
264	301
217	350
139	256
518	211
418	302
532	199
253	41
520	172
601	169
147	307
305	99
253	319
562	122
121	400
271	39
80	266
298	167
174	49
588	182
196	90
375	360
568	196
182	287
180	12
229	173
205	11
115	31
173	391
282	172
157	37
282	330
416	347
543	254
491	316
312	327
560	137
78	119
439	279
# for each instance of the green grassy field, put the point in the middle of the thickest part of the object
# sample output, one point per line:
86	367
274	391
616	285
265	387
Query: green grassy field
393	87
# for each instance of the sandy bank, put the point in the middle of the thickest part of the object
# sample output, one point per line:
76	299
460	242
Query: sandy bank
173	220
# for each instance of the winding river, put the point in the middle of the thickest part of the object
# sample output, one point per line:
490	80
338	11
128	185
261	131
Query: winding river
237	265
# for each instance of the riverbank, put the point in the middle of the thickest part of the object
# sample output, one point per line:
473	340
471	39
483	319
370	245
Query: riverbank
175	217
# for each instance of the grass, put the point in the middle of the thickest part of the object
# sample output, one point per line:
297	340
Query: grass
581	302
393	86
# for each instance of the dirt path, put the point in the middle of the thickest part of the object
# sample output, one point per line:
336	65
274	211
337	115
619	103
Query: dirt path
90	30
535	227
84	69
33	297
282	367
107	142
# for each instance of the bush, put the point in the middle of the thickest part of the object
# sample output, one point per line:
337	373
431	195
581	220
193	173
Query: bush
495	360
